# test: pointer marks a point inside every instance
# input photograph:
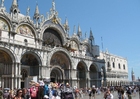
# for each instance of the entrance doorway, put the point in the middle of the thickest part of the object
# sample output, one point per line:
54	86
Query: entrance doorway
22	84
56	75
53	80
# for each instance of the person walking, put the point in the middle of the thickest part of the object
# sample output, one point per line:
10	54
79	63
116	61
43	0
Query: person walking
24	94
108	95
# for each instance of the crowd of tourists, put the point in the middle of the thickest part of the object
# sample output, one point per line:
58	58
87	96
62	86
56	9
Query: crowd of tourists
41	90
123	92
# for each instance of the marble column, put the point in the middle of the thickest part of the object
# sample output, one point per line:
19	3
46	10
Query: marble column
88	79
17	75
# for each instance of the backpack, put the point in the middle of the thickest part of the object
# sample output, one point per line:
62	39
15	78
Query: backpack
54	93
46	90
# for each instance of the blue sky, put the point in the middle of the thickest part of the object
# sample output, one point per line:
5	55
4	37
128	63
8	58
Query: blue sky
116	21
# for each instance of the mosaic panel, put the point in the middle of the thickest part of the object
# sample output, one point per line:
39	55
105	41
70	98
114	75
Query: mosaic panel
25	30
4	25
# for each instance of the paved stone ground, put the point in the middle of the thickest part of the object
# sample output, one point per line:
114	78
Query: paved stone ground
114	94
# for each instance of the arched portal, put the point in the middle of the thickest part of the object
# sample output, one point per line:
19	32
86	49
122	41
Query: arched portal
61	60
5	69
29	68
81	75
93	75
56	75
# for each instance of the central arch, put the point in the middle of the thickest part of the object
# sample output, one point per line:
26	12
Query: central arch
62	61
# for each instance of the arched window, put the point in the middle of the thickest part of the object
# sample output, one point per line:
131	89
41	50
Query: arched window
123	66
113	65
119	66
108	64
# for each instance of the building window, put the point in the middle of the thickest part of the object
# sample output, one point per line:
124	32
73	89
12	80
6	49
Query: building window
123	66
113	65
108	64
119	66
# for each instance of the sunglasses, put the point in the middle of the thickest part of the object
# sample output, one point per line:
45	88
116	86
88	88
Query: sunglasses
20	92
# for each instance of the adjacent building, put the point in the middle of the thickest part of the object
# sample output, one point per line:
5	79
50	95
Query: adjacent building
116	69
41	47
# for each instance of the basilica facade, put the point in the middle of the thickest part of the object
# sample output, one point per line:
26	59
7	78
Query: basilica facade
41	47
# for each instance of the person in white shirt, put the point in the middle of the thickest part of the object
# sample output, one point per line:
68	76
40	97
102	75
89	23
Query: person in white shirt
108	95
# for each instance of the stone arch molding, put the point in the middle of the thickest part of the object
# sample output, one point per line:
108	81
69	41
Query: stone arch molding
30	26
58	49
96	66
55	27
84	64
38	57
7	20
11	53
59	69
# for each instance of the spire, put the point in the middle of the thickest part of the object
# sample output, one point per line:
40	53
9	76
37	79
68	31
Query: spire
2	3
91	38
14	3
79	32
85	34
133	76
66	22
36	14
66	25
14	7
74	30
2	8
53	10
91	35
132	72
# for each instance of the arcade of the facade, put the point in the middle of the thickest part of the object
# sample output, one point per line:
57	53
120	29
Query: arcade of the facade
43	48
